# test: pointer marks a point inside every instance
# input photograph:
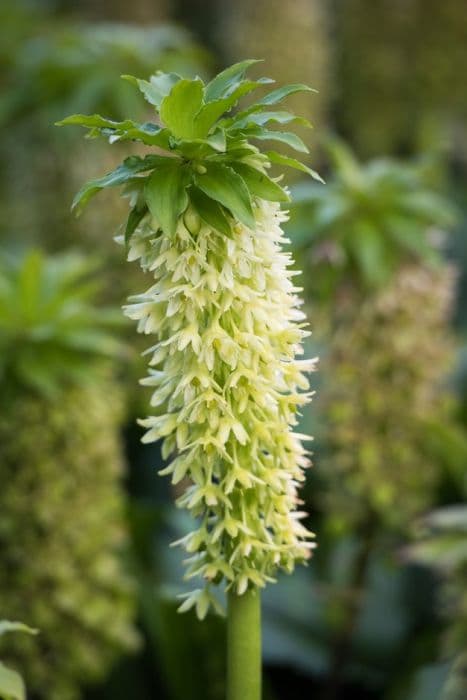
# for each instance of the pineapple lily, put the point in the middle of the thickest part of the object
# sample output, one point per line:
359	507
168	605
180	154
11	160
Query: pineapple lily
205	222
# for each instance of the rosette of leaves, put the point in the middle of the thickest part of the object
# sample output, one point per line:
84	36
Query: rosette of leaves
62	530
205	222
51	332
442	545
368	221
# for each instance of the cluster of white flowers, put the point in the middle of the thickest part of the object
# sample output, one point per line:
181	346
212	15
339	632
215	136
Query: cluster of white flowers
227	389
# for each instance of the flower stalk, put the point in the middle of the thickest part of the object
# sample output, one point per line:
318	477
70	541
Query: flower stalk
244	645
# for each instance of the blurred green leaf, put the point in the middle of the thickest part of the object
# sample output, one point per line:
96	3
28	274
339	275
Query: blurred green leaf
50	328
379	215
11	684
8	626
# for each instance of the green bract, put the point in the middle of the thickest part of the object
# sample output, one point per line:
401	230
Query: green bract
206	224
209	150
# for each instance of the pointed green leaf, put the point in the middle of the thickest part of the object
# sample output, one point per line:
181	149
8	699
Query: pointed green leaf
123	173
369	252
280	93
213	110
166	196
134	218
228	121
286	137
222	183
278	158
226	79
262	118
8	626
157	88
260	184
95	121
179	108
151	95
149	133
210	211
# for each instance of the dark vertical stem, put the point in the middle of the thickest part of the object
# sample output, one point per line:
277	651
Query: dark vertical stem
343	644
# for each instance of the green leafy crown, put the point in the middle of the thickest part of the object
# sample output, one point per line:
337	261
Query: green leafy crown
50	329
375	216
210	160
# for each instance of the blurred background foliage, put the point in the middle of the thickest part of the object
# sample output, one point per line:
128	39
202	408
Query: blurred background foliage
85	522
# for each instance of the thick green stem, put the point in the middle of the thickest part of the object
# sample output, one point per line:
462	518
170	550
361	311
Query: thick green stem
244	646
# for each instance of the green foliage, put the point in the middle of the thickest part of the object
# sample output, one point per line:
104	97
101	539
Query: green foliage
181	642
442	544
391	440
62	535
54	63
390	424
61	522
208	149
64	65
383	298
11	683
368	221
50	328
